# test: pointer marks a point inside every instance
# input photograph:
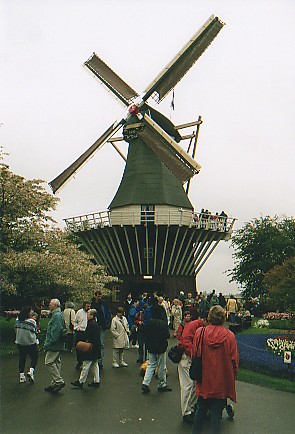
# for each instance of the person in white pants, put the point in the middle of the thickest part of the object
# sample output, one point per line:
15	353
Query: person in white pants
188	397
120	332
90	358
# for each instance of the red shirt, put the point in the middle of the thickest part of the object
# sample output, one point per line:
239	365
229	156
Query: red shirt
220	360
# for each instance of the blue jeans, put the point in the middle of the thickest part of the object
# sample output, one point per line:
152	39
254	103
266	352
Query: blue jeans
102	334
232	317
154	360
215	407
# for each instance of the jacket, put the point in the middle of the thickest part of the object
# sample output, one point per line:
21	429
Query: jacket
54	338
156	335
69	317
120	331
26	332
220	360
92	335
187	338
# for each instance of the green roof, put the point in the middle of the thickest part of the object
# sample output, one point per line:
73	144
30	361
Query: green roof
147	181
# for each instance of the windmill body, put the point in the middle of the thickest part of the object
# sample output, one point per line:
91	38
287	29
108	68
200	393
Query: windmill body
150	237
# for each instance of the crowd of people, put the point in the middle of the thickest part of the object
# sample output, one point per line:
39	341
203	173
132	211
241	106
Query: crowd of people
144	324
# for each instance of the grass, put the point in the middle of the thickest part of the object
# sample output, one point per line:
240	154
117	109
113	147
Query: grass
265	381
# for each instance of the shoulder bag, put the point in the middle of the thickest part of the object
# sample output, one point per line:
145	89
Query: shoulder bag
175	354
195	370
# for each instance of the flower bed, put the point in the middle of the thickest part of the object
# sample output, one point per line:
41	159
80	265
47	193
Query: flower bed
254	355
261	323
278	315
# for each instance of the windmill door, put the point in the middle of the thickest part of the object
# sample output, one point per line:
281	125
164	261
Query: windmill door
147	215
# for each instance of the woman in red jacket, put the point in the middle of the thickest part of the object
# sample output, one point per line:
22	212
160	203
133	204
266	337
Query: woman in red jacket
220	360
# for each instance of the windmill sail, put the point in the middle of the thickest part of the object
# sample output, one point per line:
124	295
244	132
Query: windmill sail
170	153
111	80
184	60
68	173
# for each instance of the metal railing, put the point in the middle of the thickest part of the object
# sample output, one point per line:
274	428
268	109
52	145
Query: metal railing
179	217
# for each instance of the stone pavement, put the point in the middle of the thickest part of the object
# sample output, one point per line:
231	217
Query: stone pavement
118	406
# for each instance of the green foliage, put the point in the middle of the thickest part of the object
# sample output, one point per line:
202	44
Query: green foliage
280	282
259	246
38	260
249	376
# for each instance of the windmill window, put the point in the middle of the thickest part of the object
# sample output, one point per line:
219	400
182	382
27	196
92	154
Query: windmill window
147	215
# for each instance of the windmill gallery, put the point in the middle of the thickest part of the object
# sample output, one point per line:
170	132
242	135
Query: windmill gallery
150	237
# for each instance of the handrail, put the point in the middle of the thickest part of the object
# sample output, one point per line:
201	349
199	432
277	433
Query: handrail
179	217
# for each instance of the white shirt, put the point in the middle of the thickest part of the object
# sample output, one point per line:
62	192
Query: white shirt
80	321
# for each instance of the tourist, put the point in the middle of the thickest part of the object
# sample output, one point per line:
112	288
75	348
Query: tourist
176	313
131	324
80	324
127	305
188	397
90	358
120	332
156	334
69	316
220	366
232	308
103	318
203	306
222	301
139	321
214	300
27	343
186	319
53	346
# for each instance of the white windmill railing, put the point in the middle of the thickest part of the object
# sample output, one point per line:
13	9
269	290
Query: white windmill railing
101	219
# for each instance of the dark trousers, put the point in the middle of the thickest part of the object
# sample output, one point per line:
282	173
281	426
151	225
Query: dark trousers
24	351
79	355
215	407
70	341
141	354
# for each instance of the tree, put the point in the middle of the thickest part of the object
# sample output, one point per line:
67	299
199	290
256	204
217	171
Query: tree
280	283
260	245
39	260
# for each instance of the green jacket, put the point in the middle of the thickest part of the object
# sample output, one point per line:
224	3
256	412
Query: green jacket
54	338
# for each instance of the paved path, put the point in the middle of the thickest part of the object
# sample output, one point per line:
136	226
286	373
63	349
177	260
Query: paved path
119	406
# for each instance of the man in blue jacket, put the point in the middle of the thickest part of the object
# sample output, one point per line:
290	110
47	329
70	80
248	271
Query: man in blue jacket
53	345
103	320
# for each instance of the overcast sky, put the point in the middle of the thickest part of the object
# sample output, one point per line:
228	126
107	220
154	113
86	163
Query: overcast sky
52	109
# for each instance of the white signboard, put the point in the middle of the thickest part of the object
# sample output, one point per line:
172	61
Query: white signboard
287	356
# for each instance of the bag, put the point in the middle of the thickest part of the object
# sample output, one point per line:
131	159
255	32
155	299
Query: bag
175	353
84	347
195	370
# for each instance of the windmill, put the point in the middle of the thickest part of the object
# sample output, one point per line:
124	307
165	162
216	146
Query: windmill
150	236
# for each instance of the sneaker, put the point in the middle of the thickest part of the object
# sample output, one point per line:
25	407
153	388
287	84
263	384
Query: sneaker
94	384
30	376
124	364
22	378
115	365
145	389
77	384
230	411
188	418
164	389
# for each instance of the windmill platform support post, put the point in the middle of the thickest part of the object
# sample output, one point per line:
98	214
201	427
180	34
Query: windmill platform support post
145	256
